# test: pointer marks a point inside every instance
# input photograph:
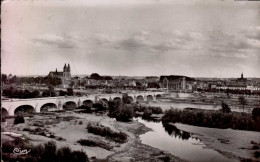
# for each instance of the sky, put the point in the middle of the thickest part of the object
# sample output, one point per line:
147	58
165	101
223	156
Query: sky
197	38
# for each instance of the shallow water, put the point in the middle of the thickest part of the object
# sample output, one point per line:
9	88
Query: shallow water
179	143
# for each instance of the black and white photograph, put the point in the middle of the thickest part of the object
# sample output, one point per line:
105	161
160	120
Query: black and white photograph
130	80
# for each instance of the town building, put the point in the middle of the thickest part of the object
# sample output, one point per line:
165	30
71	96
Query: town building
64	75
175	83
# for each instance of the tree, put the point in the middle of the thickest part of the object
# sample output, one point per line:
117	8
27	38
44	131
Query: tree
62	93
242	101
70	91
11	92
13	79
256	114
95	76
124	114
38	80
72	84
225	107
126	99
147	113
4	78
36	93
153	85
50	89
112	109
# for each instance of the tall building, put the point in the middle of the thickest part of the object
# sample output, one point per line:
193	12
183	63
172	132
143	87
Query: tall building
64	75
175	82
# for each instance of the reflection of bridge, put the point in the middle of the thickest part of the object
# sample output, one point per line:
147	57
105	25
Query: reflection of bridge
37	104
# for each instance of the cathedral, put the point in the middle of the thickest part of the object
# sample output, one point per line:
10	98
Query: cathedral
64	75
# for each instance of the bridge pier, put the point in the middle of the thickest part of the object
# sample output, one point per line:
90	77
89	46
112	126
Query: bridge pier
134	99
10	111
145	97
154	97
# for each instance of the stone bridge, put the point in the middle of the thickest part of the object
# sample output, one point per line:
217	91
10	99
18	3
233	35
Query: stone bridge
11	107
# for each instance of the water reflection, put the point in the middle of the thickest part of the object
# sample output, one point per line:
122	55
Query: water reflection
172	130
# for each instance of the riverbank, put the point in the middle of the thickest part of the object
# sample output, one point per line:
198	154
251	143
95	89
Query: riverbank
67	128
236	144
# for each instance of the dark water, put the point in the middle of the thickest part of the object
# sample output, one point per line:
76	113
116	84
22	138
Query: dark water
179	143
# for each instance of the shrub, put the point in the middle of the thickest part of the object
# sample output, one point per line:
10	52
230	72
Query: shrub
119	111
92	143
7	147
36	152
255	147
147	113
257	154
156	110
125	114
3	119
112	109
107	132
46	153
79	156
126	99
99	107
50	149
27	129
210	118
256	114
80	122
64	154
18	119
85	107
60	139
225	108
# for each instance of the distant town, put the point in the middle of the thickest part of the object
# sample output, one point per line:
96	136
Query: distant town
62	80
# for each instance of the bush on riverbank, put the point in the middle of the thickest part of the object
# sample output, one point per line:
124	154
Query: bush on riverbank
94	143
147	113
40	153
154	109
103	131
122	112
19	119
212	119
99	107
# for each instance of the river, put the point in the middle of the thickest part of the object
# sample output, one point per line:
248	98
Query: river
179	143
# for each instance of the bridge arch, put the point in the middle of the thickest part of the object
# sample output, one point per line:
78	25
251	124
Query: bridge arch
104	100
4	112
140	98
149	98
48	107
158	96
24	109
88	103
69	105
131	99
117	99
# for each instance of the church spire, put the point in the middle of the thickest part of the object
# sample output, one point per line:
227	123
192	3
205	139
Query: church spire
65	68
68	67
242	76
